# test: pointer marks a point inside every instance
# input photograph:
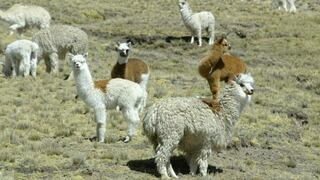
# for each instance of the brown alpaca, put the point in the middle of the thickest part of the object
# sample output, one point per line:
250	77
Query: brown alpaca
132	69
218	66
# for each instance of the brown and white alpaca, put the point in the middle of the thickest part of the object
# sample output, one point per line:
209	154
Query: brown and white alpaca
132	69
218	66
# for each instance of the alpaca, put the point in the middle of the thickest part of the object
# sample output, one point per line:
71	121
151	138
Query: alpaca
218	66
287	5
22	16
21	58
132	69
107	94
196	22
190	125
56	41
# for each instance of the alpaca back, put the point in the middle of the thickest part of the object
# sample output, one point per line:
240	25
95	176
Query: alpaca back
61	39
185	118
123	93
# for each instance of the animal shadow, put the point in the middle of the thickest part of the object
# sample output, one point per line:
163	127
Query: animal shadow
178	163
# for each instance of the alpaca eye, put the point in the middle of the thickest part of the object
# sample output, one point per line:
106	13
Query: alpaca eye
127	51
241	85
183	3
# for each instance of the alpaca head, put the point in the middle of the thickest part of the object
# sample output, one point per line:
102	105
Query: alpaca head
245	86
123	49
222	43
183	4
79	61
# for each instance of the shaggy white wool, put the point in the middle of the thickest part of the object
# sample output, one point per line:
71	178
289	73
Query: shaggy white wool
287	5
21	58
56	41
23	16
190	125
196	22
119	92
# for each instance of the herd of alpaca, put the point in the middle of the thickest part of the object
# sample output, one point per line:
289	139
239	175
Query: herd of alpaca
195	126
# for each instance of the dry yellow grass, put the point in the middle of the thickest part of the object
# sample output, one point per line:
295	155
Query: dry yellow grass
44	131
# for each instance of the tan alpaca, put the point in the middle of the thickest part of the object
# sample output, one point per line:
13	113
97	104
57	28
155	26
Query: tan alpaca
132	69
218	66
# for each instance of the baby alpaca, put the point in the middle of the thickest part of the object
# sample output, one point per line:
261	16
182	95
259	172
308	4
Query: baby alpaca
107	94
23	16
218	66
196	22
21	58
190	125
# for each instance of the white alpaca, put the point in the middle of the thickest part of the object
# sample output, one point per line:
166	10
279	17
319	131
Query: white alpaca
104	94
196	22
21	58
133	69
23	16
190	125
287	5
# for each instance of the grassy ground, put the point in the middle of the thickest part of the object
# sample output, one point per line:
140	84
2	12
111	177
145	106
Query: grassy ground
44	131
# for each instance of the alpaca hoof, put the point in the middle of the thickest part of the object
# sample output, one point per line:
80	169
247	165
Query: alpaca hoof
94	138
66	77
126	139
213	104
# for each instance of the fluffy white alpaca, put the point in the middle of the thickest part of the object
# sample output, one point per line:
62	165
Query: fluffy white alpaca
190	125
103	94
23	16
287	5
21	58
196	22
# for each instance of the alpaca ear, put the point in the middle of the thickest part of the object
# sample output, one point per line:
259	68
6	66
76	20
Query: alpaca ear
71	55
222	38
129	43
116	47
85	55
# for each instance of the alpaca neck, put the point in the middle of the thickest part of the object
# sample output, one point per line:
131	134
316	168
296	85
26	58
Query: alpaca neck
186	14
231	107
2	15
84	82
119	69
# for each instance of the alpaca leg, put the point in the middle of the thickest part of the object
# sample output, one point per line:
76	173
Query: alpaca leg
202	160
292	7
33	67
7	68
132	116
192	39
203	167
171	171
26	64
100	118
15	27
284	5
192	163
211	34
163	154
54	63
199	37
